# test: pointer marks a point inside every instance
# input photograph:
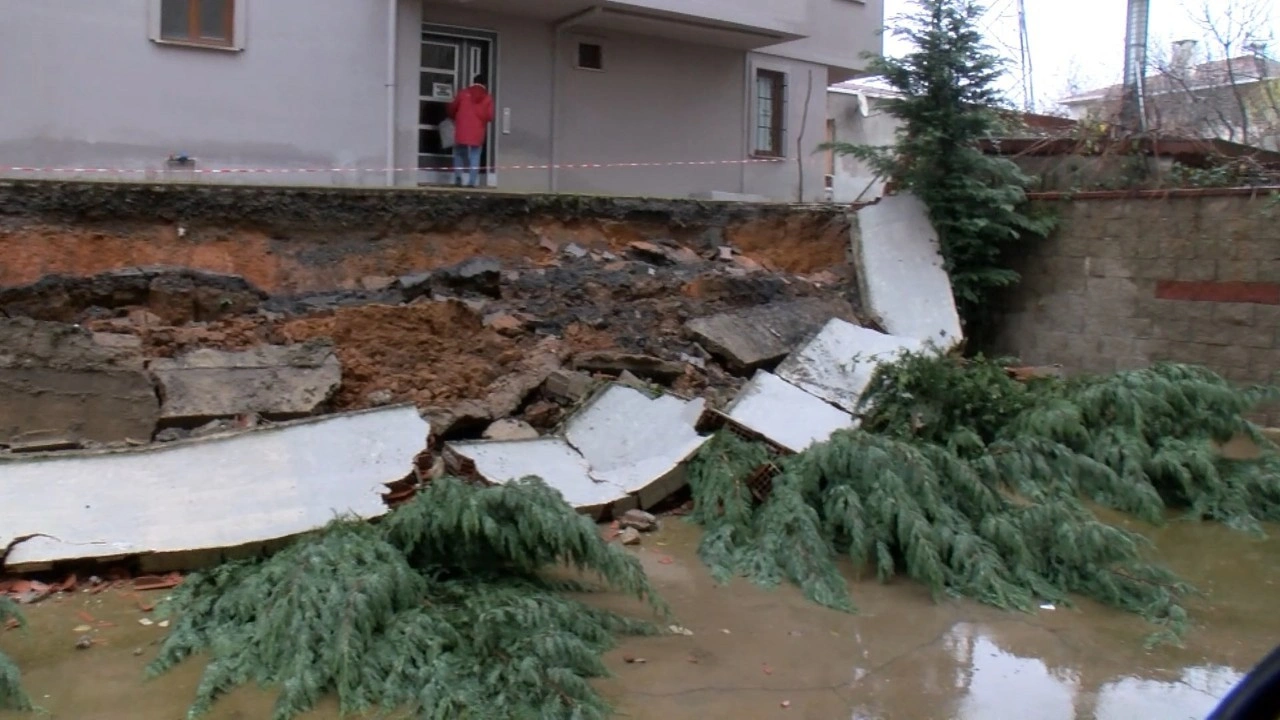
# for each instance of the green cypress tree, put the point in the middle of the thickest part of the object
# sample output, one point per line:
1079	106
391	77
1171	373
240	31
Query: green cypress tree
445	609
11	695
950	103
975	484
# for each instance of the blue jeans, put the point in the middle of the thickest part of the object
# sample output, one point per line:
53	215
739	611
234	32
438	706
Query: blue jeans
468	157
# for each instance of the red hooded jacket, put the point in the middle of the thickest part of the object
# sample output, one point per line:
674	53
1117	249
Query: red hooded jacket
471	112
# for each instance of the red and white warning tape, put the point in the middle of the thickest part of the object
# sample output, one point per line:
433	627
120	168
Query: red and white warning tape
286	171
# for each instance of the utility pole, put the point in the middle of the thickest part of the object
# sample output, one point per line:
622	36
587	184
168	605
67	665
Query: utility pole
1024	45
1133	113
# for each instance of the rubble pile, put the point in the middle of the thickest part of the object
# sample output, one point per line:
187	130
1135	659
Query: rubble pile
469	344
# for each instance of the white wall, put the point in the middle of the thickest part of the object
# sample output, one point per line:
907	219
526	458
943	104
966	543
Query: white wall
82	84
854	179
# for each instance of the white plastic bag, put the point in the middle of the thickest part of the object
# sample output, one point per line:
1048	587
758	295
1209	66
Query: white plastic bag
446	133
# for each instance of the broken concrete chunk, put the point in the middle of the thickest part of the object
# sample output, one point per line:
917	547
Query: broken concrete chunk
616	363
277	381
621	450
837	364
178	295
663	255
414	286
479	275
901	272
785	414
58	382
629	536
575	250
503	397
761	336
551	459
638	519
510	429
636	441
568	386
179	500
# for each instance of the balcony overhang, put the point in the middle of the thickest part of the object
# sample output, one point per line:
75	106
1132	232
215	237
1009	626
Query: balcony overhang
620	17
654	18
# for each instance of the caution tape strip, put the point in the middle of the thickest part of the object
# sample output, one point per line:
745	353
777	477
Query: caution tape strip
285	171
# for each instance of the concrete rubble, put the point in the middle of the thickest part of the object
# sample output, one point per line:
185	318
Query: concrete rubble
275	381
761	336
60	385
784	414
837	364
184	504
900	271
621	451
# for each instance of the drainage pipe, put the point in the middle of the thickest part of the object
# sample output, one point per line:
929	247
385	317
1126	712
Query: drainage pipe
393	29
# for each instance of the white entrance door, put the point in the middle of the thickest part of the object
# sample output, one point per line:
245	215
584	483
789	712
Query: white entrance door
451	58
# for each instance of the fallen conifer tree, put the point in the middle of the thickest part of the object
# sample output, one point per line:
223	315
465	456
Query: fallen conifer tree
445	608
11	695
976	484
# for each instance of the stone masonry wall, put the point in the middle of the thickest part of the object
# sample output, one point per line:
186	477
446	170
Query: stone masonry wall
1128	280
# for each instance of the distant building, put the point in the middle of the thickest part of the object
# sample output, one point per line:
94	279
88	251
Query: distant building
1235	99
592	96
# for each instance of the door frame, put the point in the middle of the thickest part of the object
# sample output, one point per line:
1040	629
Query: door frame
426	175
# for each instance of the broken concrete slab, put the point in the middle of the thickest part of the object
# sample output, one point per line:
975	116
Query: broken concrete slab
58	383
615	363
762	336
478	274
553	459
785	414
637	441
568	385
504	396
276	381
900	271
837	364
622	450
178	502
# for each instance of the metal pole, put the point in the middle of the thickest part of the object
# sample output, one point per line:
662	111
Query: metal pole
1133	114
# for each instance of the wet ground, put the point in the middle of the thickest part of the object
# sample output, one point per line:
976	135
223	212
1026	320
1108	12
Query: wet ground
760	654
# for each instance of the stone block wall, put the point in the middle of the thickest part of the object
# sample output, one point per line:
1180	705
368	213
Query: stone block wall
1131	279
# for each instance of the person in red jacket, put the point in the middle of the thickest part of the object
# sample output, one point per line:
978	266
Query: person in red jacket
471	112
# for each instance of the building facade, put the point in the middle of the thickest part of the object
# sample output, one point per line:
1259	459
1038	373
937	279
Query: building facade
635	97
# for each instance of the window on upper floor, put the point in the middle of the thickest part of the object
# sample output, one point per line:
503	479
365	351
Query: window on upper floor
198	22
590	56
770	113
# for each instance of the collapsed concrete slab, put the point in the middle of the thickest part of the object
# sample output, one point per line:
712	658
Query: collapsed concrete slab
622	450
185	504
552	459
837	364
275	381
762	336
59	384
637	442
784	414
900	271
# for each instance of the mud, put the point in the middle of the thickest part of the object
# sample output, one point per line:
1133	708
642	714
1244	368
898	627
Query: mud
286	240
753	650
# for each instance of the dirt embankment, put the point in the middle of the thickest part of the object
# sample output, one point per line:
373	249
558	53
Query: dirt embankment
435	301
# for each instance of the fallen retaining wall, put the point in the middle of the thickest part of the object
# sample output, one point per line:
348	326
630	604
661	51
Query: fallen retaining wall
1128	280
290	240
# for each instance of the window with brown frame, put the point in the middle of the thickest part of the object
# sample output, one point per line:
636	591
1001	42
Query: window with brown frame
770	113
203	22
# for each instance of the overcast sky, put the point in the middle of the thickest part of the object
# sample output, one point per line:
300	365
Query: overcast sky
1082	41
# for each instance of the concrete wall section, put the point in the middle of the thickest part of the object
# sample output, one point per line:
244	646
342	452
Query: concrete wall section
837	33
853	179
94	90
1128	282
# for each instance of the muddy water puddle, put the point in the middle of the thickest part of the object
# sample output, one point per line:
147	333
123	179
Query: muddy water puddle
757	653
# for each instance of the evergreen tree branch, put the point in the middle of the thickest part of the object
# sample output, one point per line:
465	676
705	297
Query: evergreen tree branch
12	697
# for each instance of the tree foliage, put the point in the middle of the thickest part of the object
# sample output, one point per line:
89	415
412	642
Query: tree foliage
12	696
445	609
977	485
949	103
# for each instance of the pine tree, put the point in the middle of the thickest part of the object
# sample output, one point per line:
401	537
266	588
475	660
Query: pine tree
445	608
12	696
975	484
950	103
